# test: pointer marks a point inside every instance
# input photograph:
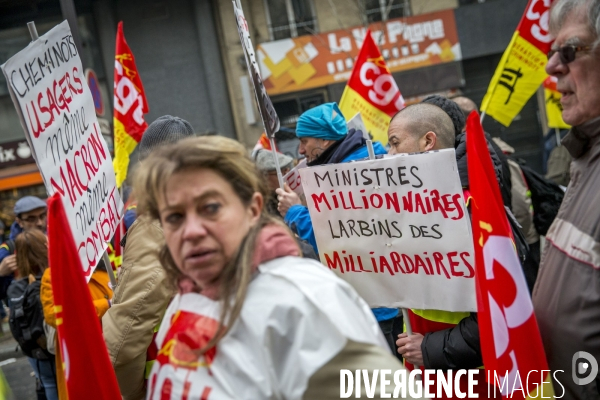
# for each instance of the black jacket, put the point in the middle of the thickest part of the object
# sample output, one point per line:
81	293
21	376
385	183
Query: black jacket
453	348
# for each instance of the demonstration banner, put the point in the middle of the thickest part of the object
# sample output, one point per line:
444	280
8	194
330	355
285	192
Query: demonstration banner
372	91
47	86
511	345
396	229
521	70
553	106
130	106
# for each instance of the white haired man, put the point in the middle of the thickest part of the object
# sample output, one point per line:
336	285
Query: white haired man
566	296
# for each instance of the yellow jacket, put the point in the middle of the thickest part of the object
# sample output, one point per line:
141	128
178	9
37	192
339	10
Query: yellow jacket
100	292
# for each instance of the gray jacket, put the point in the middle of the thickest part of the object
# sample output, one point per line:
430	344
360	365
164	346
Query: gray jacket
566	296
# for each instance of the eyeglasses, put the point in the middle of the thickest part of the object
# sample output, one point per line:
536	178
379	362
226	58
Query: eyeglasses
568	52
32	219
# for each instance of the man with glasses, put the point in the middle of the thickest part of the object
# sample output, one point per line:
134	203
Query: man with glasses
566	296
30	213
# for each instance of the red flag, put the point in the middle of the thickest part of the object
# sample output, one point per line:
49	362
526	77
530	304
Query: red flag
510	340
372	91
130	106
88	372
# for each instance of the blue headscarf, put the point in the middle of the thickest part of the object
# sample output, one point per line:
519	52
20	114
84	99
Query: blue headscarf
323	122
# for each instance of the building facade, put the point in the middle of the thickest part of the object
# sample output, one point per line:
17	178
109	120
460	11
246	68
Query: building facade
189	57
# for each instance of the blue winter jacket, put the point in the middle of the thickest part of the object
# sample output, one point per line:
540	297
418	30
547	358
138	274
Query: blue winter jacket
5	281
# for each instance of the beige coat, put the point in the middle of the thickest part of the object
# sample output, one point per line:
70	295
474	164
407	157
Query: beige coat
140	300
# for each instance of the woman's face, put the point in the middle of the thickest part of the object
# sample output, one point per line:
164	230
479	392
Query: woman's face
204	222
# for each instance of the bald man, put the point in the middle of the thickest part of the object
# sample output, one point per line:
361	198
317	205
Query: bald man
466	105
420	127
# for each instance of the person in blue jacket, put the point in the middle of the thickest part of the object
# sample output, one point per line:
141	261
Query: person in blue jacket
325	139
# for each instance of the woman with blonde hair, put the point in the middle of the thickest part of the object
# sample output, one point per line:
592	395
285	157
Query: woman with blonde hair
253	320
27	316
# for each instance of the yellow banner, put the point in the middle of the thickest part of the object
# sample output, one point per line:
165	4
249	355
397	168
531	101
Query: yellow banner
519	74
554	110
376	121
124	146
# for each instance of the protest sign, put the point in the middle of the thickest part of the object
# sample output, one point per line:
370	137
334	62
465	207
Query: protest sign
265	106
357	123
48	87
293	178
396	229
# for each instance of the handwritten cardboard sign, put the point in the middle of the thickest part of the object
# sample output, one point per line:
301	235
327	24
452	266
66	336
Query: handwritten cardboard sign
396	229
48	87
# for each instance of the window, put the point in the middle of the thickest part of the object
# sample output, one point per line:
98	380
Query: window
382	10
290	18
289	109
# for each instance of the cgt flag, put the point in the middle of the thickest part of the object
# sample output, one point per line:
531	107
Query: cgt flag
88	372
130	107
521	68
510	340
372	91
553	106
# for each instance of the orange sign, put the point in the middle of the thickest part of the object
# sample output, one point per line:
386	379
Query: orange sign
311	61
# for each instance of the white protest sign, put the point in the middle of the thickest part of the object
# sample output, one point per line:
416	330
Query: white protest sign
48	87
396	229
357	123
293	178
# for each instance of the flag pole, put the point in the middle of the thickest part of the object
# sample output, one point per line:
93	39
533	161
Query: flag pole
109	271
277	167
409	331
557	133
370	149
32	31
482	117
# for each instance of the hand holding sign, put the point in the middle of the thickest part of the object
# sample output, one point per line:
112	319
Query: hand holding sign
287	198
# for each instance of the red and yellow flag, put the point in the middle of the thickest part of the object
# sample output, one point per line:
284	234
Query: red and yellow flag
372	91
130	107
511	345
522	67
553	106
